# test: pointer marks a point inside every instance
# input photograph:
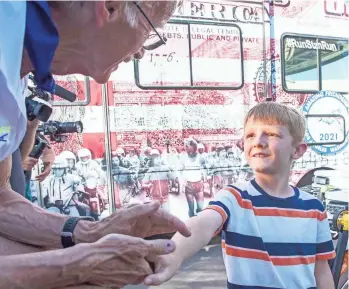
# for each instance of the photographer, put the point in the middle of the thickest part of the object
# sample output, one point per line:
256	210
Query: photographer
47	157
22	163
89	38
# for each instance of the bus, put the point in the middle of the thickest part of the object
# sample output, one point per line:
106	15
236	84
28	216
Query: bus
188	98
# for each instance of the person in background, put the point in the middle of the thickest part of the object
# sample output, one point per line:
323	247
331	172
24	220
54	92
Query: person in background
71	160
86	164
221	170
61	186
157	180
192	168
174	163
123	182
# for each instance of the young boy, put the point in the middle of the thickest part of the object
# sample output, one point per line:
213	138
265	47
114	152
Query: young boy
274	235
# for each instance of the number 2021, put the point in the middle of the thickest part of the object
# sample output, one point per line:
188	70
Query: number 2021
328	136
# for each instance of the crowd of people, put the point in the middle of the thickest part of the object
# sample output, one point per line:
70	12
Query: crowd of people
143	174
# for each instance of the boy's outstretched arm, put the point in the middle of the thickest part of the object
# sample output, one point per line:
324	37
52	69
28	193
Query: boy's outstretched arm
203	228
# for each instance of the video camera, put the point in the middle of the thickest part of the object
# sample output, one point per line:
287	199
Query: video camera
38	104
40	144
56	129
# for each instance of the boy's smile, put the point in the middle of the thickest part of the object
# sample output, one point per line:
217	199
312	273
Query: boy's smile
260	155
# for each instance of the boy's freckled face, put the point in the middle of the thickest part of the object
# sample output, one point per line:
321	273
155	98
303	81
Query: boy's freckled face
268	147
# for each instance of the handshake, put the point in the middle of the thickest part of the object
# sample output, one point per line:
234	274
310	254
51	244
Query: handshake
122	256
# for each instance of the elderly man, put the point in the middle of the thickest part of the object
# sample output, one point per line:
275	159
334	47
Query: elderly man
94	37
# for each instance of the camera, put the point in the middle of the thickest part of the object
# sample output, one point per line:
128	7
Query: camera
38	103
40	144
56	129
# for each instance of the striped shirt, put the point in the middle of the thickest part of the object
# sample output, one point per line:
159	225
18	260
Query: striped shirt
271	242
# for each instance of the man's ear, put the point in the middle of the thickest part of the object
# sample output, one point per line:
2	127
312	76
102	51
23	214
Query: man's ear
105	11
301	148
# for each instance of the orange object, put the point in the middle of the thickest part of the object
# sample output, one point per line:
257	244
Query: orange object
345	263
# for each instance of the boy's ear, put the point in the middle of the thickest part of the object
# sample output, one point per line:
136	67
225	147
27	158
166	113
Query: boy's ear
301	148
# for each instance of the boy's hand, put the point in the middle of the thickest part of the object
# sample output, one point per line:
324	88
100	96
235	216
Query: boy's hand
165	267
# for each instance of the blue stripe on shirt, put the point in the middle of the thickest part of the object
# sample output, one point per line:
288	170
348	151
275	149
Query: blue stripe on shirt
260	201
324	247
273	249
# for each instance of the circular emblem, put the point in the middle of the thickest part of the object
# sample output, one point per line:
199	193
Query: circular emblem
327	129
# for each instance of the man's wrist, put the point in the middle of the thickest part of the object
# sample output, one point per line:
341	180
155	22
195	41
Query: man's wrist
86	232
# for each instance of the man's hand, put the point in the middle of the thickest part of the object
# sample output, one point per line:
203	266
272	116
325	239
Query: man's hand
29	138
139	220
33	125
29	163
165	268
112	262
119	260
44	174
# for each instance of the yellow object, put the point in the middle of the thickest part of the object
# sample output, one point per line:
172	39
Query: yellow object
343	220
327	188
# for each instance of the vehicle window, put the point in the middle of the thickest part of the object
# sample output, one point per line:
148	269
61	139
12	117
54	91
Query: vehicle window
312	64
196	56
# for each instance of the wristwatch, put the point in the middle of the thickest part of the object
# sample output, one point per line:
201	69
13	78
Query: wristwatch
67	235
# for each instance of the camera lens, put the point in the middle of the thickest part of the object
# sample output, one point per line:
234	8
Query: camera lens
70	127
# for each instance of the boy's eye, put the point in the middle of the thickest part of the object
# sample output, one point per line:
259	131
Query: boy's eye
273	134
249	135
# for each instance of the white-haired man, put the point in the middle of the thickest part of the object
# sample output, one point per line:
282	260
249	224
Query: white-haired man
89	38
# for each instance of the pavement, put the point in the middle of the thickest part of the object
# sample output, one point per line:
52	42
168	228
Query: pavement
205	270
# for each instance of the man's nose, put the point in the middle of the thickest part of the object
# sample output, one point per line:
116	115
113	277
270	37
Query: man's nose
138	55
